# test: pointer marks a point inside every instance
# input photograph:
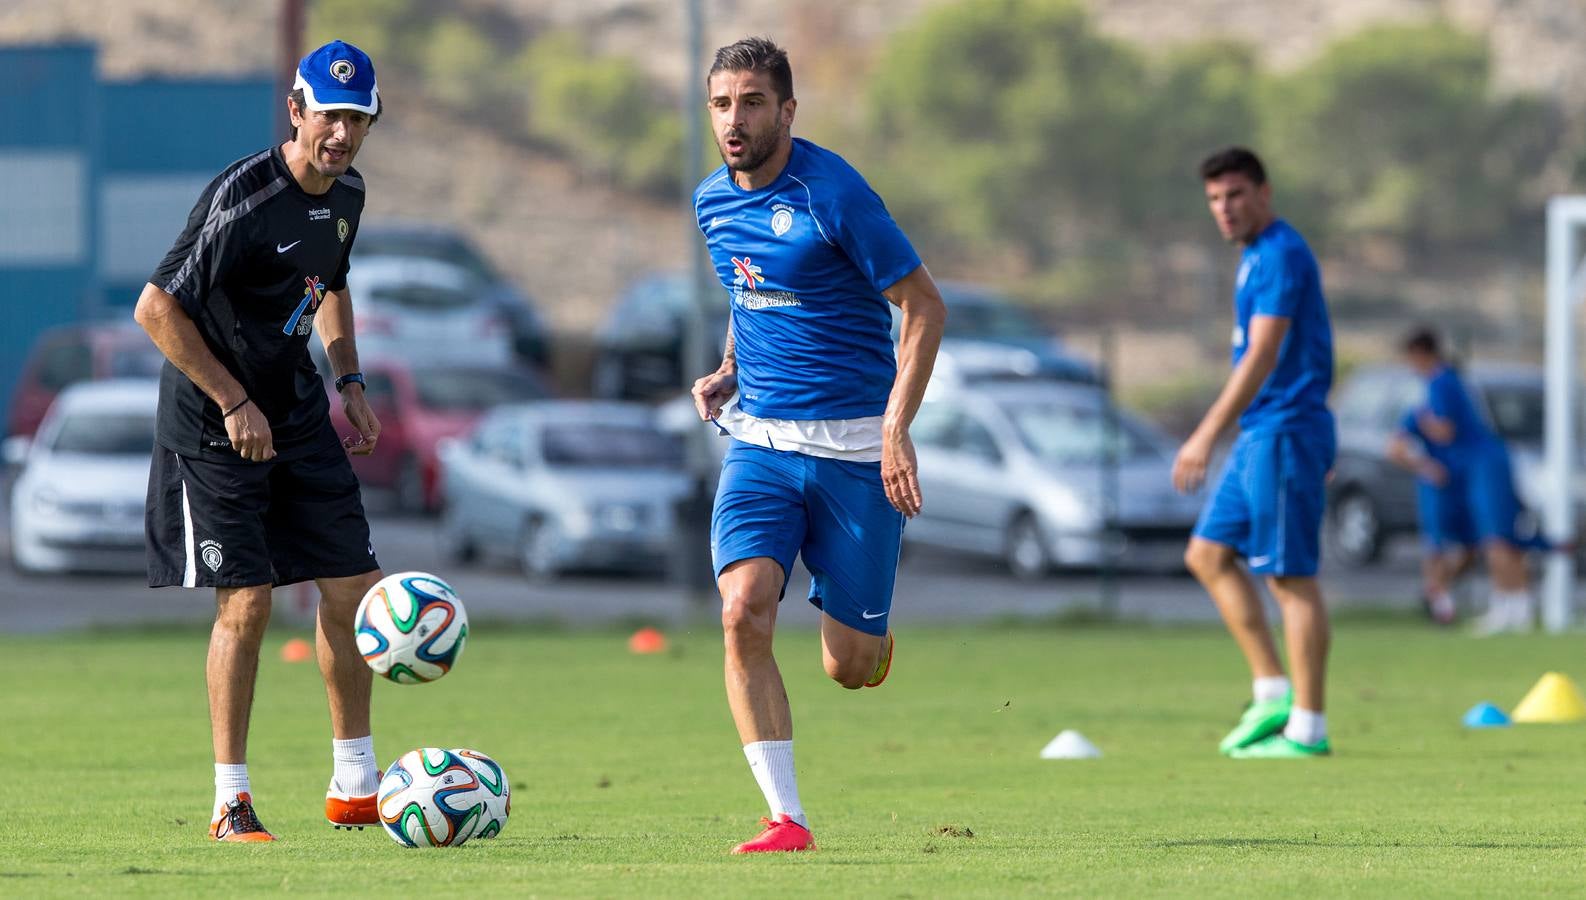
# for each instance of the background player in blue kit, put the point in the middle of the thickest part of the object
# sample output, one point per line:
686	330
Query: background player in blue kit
1266	507
1448	534
821	464
1479	463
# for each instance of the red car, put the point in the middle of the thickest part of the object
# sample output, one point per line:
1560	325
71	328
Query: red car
63	356
417	406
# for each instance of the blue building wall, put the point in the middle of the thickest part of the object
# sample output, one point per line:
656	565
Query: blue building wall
97	179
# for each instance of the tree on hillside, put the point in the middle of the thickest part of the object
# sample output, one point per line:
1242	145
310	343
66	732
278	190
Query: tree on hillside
1393	134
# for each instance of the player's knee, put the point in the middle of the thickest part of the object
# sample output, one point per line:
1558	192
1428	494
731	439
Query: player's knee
1205	560
851	674
245	614
745	619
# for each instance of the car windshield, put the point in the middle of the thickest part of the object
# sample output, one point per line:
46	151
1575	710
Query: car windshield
135	362
1517	412
624	446
105	434
474	390
443	250
418	295
988	319
1067	435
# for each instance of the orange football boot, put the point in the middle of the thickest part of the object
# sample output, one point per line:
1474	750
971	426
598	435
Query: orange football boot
349	812
781	834
884	665
238	823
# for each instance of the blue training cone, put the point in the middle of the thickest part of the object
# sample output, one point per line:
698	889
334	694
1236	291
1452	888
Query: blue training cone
1485	715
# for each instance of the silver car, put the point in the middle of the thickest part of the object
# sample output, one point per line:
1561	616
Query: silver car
1020	470
77	505
564	485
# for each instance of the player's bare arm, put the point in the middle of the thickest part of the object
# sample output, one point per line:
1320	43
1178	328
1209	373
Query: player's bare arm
1266	339
335	328
173	331
1437	429
713	391
1401	454
919	336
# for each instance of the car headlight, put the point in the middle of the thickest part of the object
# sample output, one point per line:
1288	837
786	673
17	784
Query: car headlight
46	502
618	516
1068	508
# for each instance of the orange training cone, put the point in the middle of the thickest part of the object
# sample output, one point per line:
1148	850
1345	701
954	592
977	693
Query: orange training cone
1554	698
647	640
296	650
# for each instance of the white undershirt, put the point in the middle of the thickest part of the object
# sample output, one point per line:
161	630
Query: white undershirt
856	440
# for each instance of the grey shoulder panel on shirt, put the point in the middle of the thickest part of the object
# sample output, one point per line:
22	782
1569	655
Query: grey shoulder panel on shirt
353	180
221	216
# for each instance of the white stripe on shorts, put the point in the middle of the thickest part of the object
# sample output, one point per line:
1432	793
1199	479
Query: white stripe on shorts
190	569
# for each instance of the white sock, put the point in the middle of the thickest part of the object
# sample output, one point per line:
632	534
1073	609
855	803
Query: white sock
1305	726
230	780
356	772
1271	687
772	765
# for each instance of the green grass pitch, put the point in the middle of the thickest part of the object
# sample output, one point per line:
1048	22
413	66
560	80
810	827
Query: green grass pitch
628	781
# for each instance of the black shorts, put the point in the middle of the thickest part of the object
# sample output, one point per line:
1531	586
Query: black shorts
212	524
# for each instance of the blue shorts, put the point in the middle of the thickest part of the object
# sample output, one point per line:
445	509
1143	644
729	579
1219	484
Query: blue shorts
1269	500
1489	491
1443	512
780	504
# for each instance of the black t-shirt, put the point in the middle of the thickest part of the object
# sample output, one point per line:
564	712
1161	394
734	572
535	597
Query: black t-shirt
251	268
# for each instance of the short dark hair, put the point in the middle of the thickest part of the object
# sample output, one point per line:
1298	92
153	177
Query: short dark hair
1236	160
756	54
296	96
1422	340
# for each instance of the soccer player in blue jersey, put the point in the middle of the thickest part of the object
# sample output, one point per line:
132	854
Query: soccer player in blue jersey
1266	507
817	404
1448	533
1479	462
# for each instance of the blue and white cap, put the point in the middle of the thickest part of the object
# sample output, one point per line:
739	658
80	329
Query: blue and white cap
338	76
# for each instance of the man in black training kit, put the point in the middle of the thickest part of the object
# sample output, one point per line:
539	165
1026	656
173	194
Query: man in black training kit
250	487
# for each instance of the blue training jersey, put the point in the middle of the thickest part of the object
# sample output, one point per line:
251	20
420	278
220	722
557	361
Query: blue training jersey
1448	399
1278	276
805	260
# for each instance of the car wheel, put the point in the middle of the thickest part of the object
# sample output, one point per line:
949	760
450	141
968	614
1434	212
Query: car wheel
1355	529
1024	548
537	550
409	487
455	545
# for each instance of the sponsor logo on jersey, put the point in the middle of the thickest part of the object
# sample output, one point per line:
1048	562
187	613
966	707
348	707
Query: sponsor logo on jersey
341	230
748	274
302	319
319	215
781	219
210	552
746	288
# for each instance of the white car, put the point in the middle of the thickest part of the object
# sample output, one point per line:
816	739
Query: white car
425	311
77	505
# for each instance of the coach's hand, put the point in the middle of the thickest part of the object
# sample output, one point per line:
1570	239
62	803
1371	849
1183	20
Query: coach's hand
1189	467
362	418
712	392
250	434
900	472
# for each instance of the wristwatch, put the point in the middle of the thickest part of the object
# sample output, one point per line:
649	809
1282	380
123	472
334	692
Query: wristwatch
349	378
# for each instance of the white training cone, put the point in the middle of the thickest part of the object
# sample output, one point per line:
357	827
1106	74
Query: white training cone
1070	745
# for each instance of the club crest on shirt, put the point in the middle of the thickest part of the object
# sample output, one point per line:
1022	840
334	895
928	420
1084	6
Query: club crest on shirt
781	219
341	230
1244	271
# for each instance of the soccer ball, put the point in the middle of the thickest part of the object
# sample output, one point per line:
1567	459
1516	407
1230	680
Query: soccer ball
498	794
411	627
431	798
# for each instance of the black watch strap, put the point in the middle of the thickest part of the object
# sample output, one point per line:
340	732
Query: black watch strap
349	378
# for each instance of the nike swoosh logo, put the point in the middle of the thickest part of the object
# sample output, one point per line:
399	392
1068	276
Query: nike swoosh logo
719	220
1259	560
866	614
283	248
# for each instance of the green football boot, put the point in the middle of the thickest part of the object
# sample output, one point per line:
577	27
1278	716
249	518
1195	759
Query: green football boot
1262	719
1279	746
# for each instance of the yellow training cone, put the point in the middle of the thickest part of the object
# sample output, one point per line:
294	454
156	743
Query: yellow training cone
1554	698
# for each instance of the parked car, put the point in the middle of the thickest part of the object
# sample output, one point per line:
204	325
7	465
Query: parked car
66	355
988	334
418	406
1019	470
565	485
1370	500
418	240
639	347
77	505
425	311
